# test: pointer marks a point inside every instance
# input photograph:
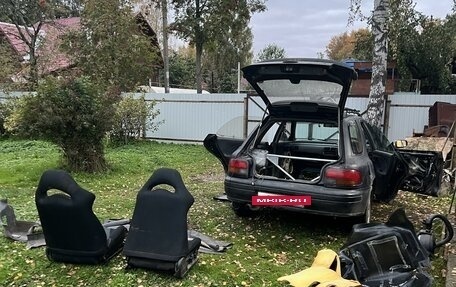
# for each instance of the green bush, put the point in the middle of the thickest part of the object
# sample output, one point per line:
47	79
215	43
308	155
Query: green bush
74	114
8	113
5	111
3	115
132	118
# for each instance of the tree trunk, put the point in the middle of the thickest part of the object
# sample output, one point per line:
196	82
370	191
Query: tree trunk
199	48
199	76
87	157
165	43
377	93
33	74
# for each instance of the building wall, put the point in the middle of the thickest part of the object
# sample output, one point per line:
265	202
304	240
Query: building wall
361	86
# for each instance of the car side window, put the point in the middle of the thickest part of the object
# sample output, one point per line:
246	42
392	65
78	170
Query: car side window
370	146
355	138
271	132
302	131
376	138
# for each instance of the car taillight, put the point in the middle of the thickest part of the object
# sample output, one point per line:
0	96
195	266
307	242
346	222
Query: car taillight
341	177
238	167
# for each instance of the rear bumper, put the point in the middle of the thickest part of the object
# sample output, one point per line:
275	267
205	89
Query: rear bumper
325	201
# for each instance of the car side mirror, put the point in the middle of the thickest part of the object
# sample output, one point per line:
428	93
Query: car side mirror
400	143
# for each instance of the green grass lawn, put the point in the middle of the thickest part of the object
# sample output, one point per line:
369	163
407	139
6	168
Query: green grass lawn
266	247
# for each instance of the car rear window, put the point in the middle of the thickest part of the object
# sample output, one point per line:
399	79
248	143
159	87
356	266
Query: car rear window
309	131
303	90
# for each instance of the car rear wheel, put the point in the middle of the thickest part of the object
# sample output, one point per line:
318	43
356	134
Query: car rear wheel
243	209
367	214
366	217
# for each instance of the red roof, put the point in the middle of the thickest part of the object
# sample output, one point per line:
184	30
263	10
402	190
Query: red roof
12	35
49	52
52	59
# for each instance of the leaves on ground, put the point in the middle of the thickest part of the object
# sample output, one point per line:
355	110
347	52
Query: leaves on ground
266	247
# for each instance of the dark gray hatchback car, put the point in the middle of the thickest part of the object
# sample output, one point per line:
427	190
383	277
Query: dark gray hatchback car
308	144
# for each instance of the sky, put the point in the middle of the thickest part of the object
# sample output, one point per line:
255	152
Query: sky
304	27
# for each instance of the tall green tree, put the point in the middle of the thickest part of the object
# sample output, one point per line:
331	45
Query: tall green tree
235	40
270	52
199	21
426	56
110	47
182	69
364	45
423	47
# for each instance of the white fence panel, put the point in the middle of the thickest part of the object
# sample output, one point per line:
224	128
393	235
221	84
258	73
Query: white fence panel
409	112
190	117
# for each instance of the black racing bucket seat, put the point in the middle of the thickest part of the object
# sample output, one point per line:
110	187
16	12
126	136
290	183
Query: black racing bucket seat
158	237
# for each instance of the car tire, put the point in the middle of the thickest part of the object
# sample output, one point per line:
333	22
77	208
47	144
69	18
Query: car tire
366	217
181	268
243	209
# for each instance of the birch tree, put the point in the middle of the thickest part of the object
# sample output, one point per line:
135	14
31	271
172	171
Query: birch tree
375	107
377	93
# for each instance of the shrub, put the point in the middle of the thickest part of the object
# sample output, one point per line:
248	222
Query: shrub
5	111
73	114
8	113
132	118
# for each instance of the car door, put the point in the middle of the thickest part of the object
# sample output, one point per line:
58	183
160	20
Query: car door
222	147
425	171
409	170
390	171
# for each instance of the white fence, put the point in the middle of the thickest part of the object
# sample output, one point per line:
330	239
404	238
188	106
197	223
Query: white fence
190	117
409	112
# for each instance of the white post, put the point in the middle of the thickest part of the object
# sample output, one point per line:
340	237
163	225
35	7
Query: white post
239	78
